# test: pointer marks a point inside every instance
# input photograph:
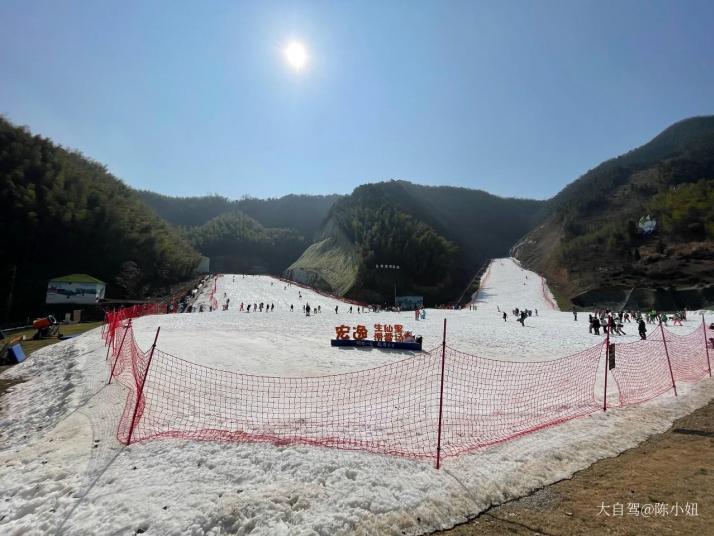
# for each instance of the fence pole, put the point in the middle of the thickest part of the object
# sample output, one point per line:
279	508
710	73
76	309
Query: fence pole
108	340
121	345
441	398
706	345
141	388
664	341
607	366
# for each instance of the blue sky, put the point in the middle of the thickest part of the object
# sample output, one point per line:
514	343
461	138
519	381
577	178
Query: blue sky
517	98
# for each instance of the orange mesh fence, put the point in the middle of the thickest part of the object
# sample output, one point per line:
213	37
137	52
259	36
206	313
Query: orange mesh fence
488	401
392	409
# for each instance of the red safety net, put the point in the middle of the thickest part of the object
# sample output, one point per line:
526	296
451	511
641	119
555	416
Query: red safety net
642	369
488	401
213	302
547	296
392	409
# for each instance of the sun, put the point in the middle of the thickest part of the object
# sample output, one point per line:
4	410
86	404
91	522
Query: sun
296	55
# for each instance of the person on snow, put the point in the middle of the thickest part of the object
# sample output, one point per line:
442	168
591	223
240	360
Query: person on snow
307	310
642	328
505	316
291	307
575	314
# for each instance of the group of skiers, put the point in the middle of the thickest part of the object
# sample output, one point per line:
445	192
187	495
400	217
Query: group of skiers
613	322
520	314
257	307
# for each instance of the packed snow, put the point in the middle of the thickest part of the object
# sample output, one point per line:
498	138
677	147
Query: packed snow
62	470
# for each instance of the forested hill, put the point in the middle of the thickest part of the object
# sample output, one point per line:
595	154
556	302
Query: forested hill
301	213
248	235
439	236
239	244
589	241
61	213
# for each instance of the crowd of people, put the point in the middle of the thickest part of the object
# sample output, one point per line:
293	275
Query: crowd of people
612	322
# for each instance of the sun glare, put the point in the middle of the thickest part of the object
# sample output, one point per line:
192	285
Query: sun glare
296	55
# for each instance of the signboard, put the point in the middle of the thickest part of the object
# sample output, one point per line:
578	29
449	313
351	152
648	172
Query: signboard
382	332
409	303
378	344
59	292
611	356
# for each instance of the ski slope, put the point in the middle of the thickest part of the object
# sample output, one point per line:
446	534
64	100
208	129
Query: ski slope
62	470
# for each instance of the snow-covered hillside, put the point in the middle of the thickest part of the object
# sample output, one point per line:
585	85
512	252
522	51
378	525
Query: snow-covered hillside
62	470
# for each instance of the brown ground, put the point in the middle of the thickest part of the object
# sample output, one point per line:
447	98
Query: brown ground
674	467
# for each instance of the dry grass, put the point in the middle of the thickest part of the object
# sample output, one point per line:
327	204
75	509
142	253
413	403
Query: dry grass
674	467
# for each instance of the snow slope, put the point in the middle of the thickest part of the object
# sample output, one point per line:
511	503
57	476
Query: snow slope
62	470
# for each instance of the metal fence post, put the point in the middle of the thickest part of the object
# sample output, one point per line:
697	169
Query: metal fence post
706	345
607	366
141	388
121	345
664	341
441	399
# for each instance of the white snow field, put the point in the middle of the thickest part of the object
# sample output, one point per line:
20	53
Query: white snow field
62	471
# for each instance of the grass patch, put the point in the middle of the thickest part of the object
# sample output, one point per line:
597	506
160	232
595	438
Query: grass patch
29	346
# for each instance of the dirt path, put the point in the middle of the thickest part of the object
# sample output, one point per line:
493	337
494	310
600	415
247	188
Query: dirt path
670	468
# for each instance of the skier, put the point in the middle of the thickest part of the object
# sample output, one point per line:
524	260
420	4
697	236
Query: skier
505	316
642	328
336	309
307	310
291	307
575	314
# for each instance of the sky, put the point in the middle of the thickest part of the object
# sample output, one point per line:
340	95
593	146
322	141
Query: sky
517	98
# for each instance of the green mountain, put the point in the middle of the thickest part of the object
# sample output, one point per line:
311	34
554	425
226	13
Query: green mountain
249	235
439	236
62	213
589	243
302	213
237	243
